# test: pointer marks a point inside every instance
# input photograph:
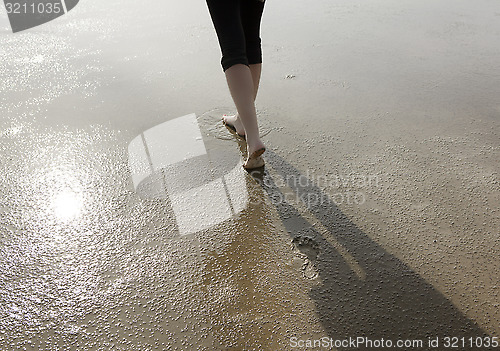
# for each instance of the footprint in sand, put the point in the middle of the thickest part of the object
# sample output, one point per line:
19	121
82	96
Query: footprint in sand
306	249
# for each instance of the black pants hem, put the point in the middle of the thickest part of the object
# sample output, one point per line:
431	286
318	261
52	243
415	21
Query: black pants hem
237	24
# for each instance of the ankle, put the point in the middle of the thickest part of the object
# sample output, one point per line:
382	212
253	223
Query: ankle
255	144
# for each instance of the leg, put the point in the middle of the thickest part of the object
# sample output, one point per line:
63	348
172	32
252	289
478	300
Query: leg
235	120
251	15
256	69
227	16
241	86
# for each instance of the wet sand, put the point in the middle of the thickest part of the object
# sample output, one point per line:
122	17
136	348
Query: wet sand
126	219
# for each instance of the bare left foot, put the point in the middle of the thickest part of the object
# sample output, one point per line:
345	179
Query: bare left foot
234	123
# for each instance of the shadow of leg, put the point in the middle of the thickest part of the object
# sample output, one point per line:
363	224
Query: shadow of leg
365	291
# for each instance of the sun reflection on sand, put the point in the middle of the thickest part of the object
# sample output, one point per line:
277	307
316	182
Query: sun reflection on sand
60	195
67	205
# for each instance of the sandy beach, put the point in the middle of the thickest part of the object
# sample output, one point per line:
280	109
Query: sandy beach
128	223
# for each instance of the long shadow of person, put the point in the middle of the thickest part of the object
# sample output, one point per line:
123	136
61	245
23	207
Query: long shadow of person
364	291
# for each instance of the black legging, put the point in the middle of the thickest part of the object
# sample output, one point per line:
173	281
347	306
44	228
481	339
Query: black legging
237	23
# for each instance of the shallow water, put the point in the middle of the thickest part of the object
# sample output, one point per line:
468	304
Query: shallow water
127	221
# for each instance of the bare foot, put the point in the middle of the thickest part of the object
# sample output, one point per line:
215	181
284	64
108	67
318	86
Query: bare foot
234	123
255	149
254	163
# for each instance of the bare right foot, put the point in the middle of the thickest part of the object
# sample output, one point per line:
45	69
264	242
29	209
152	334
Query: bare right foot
254	163
255	150
234	122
